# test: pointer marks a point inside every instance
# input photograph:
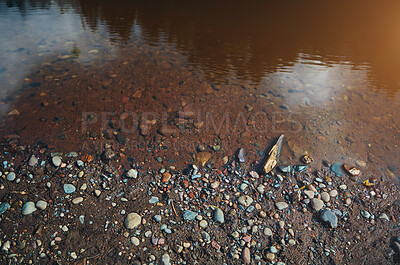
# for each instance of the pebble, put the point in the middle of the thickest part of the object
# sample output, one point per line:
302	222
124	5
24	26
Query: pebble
383	216
166	259
336	168
270	256
310	194
56	161
203	224
132	173
325	196
206	236
6	246
281	205
347	201
97	193
157	218
329	217
69	188
246	255
396	247
262	214
77	200
261	189
166	177
333	193
365	214
245	200
4	207
84	186
292	242
33	161
215	184
219	216
11	176
28	208
268	231
154	200
132	220
41	205
135	241
254	174
317	204
241	156
189	215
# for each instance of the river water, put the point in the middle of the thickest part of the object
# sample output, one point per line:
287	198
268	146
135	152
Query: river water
225	74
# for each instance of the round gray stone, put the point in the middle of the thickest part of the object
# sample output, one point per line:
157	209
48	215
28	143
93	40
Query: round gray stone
56	161
41	205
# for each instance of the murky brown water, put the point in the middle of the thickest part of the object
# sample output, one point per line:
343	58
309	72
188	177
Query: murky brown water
176	73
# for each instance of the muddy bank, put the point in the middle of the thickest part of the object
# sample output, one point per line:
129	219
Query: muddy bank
215	212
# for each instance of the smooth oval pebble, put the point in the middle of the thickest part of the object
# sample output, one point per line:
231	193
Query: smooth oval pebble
245	200
56	161
333	193
166	259
132	220
41	205
69	188
246	255
11	176
28	208
317	204
77	200
325	197
281	205
135	241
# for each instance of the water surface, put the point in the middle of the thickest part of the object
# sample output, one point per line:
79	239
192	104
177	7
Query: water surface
323	73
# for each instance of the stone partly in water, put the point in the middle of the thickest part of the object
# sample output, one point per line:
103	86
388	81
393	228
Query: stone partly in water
56	161
132	220
336	168
4	207
28	208
300	168
219	216
241	156
202	158
329	217
189	215
69	188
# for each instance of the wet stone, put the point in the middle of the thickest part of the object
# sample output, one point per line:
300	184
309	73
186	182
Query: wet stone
32	161
246	255
281	205
165	259
329	217
69	188
41	205
77	200
4	207
219	216
241	155
245	200
189	215
56	160
28	208
365	214
132	220
317	204
11	176
336	168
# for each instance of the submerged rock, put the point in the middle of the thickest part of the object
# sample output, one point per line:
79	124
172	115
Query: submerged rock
241	156
336	168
